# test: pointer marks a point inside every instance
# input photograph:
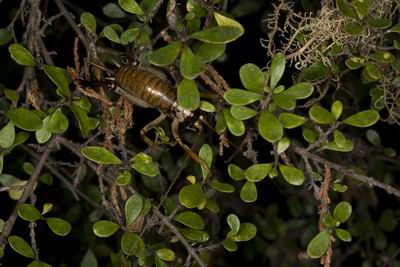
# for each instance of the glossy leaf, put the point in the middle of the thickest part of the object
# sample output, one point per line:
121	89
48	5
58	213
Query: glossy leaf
343	235
222	187
234	223
247	231
130	35
361	7
208	52
191	196
318	245
252	78
206	154
218	34
112	10
5	36
227	21
284	101
58	226
283	144
100	155
21	55
373	137
124	178
241	97
188	95
207	106
292	175
345	146
105	228
242	113
82	118
354	62
132	244
20	246
277	69
131	6
336	109
379	23
383	56
195	235
59	76
190	65
16	194
248	193
235	172
315	72
43	135
364	118
25	119
235	126
89	260
290	120
111	34
36	263
321	115
89	21
28	212
7	135
190	219
299	91
144	164
257	172
342	211
353	28
166	254
269	127
133	208
58	122
229	245
165	55
346	9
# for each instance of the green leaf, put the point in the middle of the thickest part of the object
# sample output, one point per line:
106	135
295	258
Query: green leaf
190	219
20	246
353	28
229	245
89	260
235	126
354	62
339	138
195	235
290	120
5	36
111	34
206	154
130	35
29	213
380	23
346	146
1	170
315	72
220	124
190	64
222	187
299	91
277	69
124	178
336	109
89	22
144	164
59	76
132	244
343	235
12	95
321	115
342	211
105	228
21	55
257	172
329	221
234	223
292	175
283	144
57	123
235	172
269	127
100	155
318	245
383	56
43	135
284	101
241	97
58	226
112	10
248	193
346	9
165	55
82	118
188	95
207	106
36	263
24	119
160	262
166	254
246	232
252	78
130	6
7	135
242	113
227	21
208	52
388	220
133	208
218	35
364	118
362	7
191	196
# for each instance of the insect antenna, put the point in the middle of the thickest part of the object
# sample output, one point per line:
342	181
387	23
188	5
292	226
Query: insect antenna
107	70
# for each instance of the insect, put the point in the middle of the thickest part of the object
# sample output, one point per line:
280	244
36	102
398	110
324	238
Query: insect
148	90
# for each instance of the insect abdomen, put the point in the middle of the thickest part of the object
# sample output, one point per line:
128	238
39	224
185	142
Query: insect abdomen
147	87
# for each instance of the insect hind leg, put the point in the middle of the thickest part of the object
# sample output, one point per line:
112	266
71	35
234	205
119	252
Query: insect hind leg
150	126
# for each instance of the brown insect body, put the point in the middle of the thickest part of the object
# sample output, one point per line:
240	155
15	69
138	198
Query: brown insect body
146	89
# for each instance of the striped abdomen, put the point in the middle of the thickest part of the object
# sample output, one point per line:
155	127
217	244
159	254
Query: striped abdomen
146	87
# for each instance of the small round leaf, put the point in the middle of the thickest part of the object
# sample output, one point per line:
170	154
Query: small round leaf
246	232
218	34
25	119
343	235
191	196
21	55
7	135
292	175
58	122
166	254
59	76
195	235
165	55
364	118
28	212
248	193
235	126
89	21
269	127
277	69
241	97
59	226
100	155
190	219
235	172
133	207
252	78
318	245
257	172
131	6
342	211
321	115
222	187
188	95
20	246
105	228
190	64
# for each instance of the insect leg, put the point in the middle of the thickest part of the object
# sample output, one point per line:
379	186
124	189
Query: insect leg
150	126
194	156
